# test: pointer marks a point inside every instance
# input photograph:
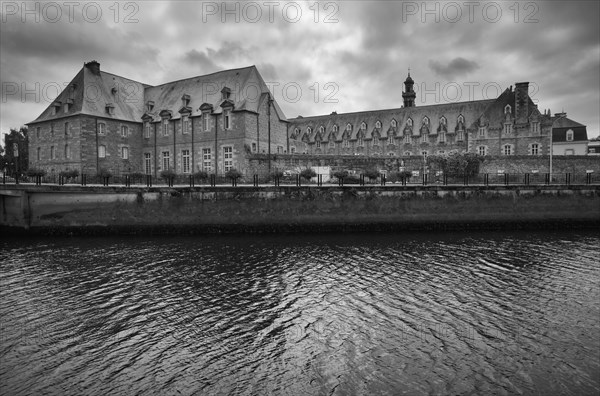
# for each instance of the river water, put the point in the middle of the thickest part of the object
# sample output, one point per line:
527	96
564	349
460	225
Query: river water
365	314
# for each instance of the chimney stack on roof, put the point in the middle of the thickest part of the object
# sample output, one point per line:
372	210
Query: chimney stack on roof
94	67
521	102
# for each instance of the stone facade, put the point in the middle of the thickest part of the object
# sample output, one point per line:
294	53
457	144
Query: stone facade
217	122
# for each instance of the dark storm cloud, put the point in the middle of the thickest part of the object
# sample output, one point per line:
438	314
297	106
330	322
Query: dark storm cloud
456	67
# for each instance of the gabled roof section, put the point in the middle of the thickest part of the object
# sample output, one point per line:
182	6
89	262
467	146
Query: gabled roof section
469	110
246	86
91	93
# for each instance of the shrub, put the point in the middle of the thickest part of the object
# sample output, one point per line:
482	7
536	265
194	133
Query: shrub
202	175
137	175
308	173
104	173
69	174
457	164
340	174
33	172
233	174
276	174
372	173
168	174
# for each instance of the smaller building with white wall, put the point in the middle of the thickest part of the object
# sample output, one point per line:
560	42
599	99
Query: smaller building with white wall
568	137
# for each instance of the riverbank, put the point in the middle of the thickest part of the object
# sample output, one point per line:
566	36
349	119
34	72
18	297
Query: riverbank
225	209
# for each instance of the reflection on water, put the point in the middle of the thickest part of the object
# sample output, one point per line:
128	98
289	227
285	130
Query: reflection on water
494	313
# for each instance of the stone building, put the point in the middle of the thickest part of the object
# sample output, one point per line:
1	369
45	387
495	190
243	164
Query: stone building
216	122
508	125
104	121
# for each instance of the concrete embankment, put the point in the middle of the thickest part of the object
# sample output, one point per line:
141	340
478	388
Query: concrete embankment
92	210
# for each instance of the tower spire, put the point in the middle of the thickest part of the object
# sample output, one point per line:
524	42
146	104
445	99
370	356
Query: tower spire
409	94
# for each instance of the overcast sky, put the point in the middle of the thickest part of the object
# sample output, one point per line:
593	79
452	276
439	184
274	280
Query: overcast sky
320	57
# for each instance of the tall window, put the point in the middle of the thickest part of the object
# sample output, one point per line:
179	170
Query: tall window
205	122
318	143
101	129
185	157
535	127
227	120
535	149
125	153
227	158
360	140
52	130
148	163
507	149
185	124
124	131
481	150
391	139
507	128
39	155
52	153
166	160
207	160
37	132
165	127
481	131
442	137
394	124
101	151
346	142
424	138
67	151
147	130
570	135
331	143
460	136
363	126
66	129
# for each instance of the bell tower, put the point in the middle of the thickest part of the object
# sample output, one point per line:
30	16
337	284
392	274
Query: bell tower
409	94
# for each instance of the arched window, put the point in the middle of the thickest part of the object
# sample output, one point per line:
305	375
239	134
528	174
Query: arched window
378	125
335	129
309	130
296	133
461	119
394	124
507	109
363	126
570	135
348	127
443	120
409	122
321	130
425	120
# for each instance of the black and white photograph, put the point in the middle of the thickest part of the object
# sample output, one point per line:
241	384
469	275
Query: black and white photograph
300	197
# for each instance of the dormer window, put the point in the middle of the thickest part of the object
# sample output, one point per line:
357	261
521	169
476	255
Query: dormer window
165	127
363	126
321	130
296	133
113	90
461	119
110	109
394	124
149	106
185	124
185	100
227	118
507	109
335	129
348	127
56	108
426	121
378	125
66	107
147	127
308	131
225	93
570	135
443	121
409	122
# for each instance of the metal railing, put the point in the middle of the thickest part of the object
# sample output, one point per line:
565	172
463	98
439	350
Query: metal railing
485	179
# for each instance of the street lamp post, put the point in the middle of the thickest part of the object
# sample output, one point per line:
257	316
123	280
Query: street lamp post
551	142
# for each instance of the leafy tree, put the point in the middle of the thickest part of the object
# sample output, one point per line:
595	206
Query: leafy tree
340	174
372	173
233	174
14	157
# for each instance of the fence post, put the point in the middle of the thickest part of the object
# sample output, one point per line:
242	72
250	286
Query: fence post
16	178
568	179
445	178
3	177
298	180
319	180
466	180
486	179
213	181
341	181
588	178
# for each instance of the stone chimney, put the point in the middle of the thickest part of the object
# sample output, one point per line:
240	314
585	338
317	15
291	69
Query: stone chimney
94	67
521	102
